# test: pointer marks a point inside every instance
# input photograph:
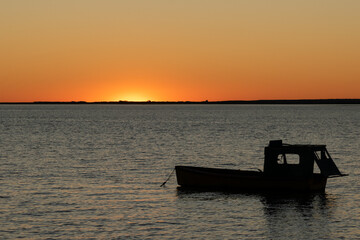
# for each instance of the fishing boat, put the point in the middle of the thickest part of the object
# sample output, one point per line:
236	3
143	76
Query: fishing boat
287	167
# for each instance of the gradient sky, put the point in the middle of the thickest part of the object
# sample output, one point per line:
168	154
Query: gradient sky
110	50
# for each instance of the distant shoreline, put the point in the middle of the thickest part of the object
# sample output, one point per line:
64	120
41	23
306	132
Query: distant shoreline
297	101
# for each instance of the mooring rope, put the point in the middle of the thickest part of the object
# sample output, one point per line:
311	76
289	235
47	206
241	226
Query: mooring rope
168	178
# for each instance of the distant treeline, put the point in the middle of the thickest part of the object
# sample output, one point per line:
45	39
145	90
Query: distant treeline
299	101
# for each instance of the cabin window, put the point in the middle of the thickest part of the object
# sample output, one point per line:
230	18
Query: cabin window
322	155
316	169
288	158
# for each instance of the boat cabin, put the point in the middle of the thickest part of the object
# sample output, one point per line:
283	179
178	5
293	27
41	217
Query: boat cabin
298	160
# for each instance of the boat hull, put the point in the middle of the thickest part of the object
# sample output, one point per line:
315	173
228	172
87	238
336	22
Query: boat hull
237	180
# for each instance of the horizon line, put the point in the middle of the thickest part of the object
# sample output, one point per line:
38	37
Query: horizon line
262	101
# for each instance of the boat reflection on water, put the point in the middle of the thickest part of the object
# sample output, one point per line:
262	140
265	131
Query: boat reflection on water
264	215
273	202
299	216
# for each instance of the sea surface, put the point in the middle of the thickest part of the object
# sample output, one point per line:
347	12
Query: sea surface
94	171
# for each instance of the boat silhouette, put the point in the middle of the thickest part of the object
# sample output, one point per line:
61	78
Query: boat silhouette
279	173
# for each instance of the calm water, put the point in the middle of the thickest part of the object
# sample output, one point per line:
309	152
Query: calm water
94	171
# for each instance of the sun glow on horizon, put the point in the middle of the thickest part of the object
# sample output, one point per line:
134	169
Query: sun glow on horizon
131	97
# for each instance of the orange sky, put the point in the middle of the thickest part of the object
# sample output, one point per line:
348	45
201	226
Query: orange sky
92	50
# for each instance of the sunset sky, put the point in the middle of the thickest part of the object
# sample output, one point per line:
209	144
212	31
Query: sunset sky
110	50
